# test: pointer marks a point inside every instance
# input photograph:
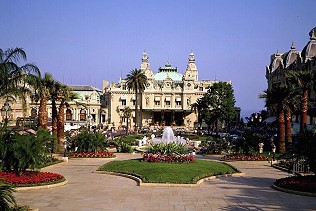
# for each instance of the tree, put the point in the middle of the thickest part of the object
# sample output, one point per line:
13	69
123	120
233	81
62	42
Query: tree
12	75
127	113
42	88
221	101
54	92
136	81
303	80
197	107
64	96
280	100
14	78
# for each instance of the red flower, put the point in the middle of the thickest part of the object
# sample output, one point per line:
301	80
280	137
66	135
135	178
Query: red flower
29	177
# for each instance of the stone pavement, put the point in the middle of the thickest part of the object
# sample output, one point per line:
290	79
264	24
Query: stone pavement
88	191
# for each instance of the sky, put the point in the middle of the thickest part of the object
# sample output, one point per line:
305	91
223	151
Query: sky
82	42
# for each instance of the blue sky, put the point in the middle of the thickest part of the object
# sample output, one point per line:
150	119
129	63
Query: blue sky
85	42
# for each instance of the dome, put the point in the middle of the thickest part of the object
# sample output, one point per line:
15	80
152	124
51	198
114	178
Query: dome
290	57
276	61
168	72
175	76
309	50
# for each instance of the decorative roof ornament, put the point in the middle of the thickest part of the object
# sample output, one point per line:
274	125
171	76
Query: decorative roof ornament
191	57
312	34
293	46
168	64
145	56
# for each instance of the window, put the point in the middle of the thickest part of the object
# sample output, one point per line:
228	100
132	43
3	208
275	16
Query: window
68	115
201	89
123	102
157	103
134	102
33	112
178	103
82	115
167	103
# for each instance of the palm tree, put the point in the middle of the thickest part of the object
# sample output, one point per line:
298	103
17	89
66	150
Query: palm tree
279	101
197	107
12	75
303	80
54	93
65	95
6	197
136	81
42	88
127	113
14	79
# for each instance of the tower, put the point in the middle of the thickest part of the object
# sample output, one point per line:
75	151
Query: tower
191	72
145	66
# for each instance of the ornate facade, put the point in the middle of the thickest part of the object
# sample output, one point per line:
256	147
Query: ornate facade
166	100
295	60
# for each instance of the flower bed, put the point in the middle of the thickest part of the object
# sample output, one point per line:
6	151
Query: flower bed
174	158
30	178
245	157
298	183
99	154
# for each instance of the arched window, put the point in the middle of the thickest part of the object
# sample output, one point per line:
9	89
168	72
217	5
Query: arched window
83	115
68	115
33	112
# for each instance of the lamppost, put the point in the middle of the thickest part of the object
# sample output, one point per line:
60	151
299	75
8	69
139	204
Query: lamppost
6	112
89	122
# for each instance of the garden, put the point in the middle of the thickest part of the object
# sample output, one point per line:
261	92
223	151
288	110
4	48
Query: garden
24	154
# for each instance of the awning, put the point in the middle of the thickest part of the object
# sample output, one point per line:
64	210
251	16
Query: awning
157	98
178	99
269	120
167	98
123	98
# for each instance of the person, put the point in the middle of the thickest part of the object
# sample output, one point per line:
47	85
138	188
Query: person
65	148
261	147
273	148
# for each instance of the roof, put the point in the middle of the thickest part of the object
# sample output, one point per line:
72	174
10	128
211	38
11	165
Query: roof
309	50
84	88
175	76
290	57
168	72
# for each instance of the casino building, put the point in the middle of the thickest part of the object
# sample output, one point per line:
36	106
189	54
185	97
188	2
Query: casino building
166	100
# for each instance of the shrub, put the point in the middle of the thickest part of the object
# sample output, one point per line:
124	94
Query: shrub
99	154
6	196
124	147
21	152
89	142
167	148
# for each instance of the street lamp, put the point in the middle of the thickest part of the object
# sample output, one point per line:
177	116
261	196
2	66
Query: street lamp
89	122
6	112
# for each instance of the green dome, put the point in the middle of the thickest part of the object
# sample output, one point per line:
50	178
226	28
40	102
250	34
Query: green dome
175	76
168	72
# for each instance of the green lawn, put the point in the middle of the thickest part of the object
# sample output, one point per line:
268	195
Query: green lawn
185	173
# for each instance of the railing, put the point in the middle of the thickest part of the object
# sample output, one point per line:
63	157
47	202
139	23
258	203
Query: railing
295	165
300	165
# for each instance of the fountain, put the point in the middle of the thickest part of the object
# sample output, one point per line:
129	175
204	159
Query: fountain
168	137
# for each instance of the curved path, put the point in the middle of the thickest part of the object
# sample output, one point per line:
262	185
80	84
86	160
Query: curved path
90	191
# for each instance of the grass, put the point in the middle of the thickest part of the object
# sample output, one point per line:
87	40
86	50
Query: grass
185	173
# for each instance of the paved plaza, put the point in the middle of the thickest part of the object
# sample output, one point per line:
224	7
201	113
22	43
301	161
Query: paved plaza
88	191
